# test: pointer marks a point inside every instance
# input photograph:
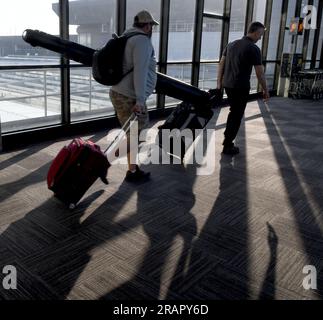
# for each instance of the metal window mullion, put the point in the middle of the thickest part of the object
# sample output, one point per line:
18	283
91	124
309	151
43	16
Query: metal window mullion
298	8
213	15
249	14
281	39
65	70
317	34
226	25
163	45
121	16
198	28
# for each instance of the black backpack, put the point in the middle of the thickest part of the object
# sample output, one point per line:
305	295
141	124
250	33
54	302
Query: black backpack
107	64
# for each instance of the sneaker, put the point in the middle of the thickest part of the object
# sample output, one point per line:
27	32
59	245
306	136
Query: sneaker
230	150
137	176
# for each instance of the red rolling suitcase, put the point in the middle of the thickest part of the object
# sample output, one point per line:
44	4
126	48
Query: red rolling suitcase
77	166
75	169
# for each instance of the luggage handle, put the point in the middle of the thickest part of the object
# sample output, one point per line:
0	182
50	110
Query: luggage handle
125	128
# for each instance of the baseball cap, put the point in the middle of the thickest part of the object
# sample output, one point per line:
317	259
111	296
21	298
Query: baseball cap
145	17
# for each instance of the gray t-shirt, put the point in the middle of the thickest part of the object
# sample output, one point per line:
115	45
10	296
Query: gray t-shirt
240	56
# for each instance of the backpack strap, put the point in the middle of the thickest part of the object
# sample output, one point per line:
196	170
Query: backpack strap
128	37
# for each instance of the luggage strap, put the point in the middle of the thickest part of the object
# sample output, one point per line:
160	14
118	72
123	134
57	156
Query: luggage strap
125	128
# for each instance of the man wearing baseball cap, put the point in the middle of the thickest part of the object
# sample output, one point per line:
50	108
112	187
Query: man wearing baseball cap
145	17
131	93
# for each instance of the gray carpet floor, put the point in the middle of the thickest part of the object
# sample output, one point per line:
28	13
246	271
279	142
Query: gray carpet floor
236	228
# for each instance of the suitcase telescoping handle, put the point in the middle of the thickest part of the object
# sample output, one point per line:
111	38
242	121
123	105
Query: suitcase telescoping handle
124	130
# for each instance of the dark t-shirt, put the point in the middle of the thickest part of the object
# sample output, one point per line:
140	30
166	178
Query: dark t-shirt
240	56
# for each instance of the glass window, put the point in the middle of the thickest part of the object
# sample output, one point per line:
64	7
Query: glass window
181	30
253	81
29	98
259	10
208	76
211	39
259	15
89	99
92	24
17	16
237	19
273	30
270	74
214	6
181	72
288	37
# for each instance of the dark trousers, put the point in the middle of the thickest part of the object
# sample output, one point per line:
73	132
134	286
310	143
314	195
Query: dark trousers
238	99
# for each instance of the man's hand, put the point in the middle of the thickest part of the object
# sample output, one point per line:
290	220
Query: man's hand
262	80
138	108
220	73
266	95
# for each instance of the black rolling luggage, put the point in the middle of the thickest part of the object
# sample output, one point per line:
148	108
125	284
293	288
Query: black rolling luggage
185	116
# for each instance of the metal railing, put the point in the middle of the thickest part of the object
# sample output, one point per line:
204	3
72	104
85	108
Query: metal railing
0	136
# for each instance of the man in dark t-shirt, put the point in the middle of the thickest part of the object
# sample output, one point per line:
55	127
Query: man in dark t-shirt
234	75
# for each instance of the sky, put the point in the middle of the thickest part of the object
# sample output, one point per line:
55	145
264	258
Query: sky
18	15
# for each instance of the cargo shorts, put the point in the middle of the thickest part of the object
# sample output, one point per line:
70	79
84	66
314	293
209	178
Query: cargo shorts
123	107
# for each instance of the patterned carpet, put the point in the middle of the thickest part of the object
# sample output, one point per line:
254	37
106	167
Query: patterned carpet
244	230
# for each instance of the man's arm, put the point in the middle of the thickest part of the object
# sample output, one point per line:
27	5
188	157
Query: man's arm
141	56
221	73
262	80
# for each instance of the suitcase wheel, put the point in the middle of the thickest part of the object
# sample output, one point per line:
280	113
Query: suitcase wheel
71	206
